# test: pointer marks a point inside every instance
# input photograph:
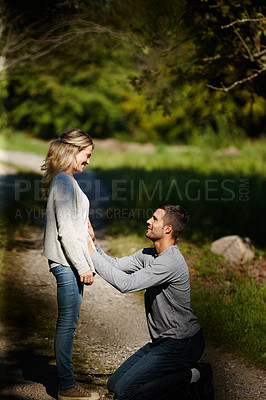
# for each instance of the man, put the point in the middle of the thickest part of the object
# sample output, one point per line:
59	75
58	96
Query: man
166	368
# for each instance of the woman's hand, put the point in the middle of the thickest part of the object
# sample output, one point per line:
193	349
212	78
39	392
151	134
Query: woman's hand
91	232
87	278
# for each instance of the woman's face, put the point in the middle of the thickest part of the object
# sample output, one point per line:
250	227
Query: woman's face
82	159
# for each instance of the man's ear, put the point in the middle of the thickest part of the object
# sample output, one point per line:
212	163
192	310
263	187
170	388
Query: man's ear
168	229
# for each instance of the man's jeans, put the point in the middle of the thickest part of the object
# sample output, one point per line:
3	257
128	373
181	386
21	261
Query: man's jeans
69	296
160	370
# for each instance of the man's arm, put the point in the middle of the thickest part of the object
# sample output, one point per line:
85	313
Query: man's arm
127	264
155	274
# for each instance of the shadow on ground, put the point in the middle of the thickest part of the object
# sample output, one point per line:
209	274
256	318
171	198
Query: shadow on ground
28	318
25	312
28	314
26	366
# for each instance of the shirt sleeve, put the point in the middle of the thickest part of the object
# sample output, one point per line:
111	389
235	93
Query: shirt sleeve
127	264
154	274
65	215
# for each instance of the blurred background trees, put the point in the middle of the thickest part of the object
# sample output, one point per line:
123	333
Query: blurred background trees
172	71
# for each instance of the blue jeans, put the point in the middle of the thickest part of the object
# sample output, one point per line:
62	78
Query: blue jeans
160	370
69	296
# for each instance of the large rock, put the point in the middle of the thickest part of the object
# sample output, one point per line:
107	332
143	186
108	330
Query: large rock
234	248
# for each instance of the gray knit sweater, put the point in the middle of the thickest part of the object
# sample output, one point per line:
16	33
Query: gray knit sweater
165	277
65	240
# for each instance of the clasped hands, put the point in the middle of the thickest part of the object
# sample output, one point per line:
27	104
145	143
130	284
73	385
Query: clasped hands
87	278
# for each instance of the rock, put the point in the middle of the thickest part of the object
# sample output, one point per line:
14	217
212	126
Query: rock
234	248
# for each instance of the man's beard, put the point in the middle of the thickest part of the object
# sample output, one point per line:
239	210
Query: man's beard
152	237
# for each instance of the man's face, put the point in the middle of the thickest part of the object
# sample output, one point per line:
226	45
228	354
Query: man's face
156	227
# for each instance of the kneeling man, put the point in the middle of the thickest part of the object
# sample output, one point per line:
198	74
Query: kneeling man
166	368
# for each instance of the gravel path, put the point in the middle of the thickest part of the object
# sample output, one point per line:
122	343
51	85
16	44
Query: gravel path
25	160
111	327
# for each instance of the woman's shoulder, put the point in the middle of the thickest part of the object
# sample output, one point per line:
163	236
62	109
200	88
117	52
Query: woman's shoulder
62	176
62	182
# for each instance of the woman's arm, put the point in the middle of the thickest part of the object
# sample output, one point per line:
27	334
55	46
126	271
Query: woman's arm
64	203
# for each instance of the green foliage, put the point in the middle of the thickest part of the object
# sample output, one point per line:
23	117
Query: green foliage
3	97
234	315
134	70
228	50
199	116
50	106
102	102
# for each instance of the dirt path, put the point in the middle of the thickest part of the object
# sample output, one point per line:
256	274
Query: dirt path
111	327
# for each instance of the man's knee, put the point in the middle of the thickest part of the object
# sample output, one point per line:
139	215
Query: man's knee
127	392
117	388
111	384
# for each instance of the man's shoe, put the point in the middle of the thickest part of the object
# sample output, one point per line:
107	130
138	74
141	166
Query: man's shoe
77	393
203	389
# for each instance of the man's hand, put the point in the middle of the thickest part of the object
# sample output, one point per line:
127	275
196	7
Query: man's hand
90	246
91	232
87	278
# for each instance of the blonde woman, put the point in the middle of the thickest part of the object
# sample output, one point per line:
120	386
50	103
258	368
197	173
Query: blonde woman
66	248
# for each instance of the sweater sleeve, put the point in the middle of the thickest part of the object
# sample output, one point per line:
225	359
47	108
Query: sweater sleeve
127	264
154	274
64	200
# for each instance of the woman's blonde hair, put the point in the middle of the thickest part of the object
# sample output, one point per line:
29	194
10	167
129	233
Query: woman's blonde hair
61	154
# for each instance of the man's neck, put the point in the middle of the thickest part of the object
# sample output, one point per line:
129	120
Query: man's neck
162	244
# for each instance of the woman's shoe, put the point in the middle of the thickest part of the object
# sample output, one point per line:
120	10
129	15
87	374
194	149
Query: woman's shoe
77	393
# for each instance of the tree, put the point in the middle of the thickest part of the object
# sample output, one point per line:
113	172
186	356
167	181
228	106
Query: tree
224	41
167	50
230	44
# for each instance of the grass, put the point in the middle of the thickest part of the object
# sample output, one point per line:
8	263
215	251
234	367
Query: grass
18	141
229	302
224	195
234	315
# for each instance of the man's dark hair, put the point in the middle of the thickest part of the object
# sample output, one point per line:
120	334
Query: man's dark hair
176	216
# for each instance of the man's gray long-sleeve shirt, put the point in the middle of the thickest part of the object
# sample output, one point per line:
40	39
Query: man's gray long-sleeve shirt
165	279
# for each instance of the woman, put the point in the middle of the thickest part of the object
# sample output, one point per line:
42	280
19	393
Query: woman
66	248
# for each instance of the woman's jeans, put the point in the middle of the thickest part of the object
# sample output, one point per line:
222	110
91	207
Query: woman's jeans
69	296
160	370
